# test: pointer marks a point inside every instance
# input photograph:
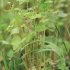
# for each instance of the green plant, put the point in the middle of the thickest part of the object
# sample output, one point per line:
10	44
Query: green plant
34	33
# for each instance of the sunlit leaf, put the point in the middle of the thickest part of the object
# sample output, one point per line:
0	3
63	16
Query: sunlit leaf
55	48
4	42
15	30
61	14
15	42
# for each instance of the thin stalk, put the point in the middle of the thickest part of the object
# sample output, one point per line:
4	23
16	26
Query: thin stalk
30	63
43	46
36	46
58	29
38	35
5	62
67	30
68	7
27	6
44	42
62	40
67	20
26	58
52	53
37	62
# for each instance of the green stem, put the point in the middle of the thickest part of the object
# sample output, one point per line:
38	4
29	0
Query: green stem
5	62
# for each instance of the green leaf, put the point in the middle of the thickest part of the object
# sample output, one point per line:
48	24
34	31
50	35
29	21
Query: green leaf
16	21
49	1
27	38
1	37
51	47
16	9
41	50
4	42
23	25
30	36
28	14
5	61
17	47
40	27
21	1
3	26
15	42
9	28
61	14
15	30
10	54
67	46
55	48
50	39
51	27
35	16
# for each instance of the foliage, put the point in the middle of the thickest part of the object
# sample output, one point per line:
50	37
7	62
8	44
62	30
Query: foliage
32	32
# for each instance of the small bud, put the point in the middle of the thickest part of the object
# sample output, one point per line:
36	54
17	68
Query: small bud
8	2
13	5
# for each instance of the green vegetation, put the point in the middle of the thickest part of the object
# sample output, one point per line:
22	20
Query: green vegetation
34	35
